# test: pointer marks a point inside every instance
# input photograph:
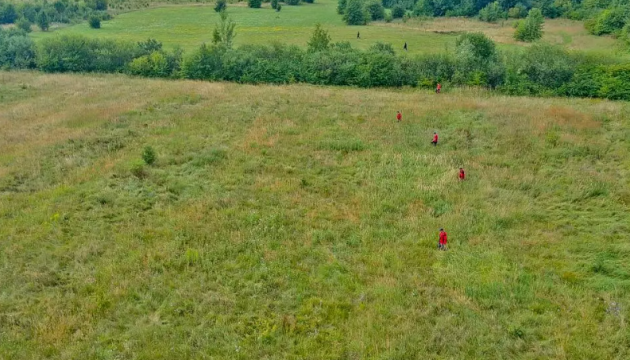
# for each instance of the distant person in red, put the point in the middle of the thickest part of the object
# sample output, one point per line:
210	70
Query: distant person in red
443	239
399	116
438	89
435	139
462	174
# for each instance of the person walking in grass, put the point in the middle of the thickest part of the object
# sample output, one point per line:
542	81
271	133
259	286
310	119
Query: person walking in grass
438	88
405	47
358	35
462	174
442	241
435	139
399	116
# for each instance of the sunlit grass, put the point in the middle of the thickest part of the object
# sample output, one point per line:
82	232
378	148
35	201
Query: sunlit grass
301	222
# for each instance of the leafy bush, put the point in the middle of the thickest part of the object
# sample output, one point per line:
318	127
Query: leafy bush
8	15
254	4
398	11
341	6
519	11
609	21
309	1
148	155
375	9
42	20
388	17
355	13
222	5
530	29
17	50
274	4
95	22
492	12
292	2
319	40
24	24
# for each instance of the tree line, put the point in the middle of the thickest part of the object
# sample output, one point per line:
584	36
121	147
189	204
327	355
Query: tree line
602	17
540	69
42	13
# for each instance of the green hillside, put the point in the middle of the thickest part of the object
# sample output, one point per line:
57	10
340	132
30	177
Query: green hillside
301	222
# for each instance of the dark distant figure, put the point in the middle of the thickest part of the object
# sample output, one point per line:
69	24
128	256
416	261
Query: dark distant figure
399	116
435	139
443	240
462	174
405	47
358	35
438	89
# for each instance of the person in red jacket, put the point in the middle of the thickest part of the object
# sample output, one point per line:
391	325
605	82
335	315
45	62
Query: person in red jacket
399	116
435	139
438	89
443	240
462	175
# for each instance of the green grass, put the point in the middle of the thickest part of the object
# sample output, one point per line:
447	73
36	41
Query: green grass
300	222
190	25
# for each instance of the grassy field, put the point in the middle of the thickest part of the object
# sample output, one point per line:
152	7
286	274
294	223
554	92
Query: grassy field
300	222
188	26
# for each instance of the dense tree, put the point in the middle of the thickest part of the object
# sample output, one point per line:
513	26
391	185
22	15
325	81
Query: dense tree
255	4
492	12
375	9
95	22
42	20
23	24
341	6
355	13
530	29
320	40
224	31
398	11
8	15
221	5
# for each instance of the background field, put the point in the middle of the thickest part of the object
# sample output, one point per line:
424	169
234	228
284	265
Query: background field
188	26
301	222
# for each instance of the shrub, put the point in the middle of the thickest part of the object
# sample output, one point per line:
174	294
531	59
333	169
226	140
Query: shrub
519	11
530	29
42	20
153	65
355	13
222	5
254	4
278	7
492	12
398	11
148	155
224	32
609	21
8	15
292	2
95	22
375	9
309	1
24	24
341	6
319	40
100	5
388	17
482	47
274	4
17	50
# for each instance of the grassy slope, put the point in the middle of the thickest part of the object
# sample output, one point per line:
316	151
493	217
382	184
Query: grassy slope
189	26
301	222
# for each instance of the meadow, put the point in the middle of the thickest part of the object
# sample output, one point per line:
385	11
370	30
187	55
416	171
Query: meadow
188	26
301	222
